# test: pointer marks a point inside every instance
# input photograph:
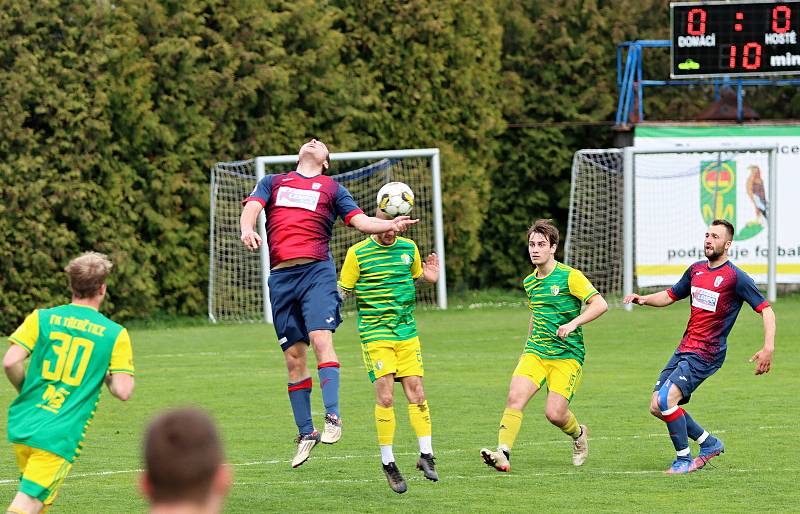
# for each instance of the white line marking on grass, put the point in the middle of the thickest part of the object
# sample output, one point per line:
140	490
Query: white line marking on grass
446	452
192	354
510	476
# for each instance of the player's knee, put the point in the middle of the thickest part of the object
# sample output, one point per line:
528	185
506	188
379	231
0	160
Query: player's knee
321	339
654	409
555	415
662	398
385	400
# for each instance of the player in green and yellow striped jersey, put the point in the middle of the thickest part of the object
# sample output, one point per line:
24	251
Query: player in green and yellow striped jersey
381	271
554	353
73	350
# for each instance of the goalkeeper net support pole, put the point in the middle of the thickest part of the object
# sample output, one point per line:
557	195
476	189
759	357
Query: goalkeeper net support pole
608	213
238	280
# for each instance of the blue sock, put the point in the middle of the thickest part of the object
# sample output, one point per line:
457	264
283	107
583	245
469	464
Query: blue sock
697	433
300	398
676	424
329	381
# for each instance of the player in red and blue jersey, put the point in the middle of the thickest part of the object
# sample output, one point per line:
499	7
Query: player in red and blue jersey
718	289
301	207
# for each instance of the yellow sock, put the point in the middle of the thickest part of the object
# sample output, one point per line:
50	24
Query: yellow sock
509	427
572	428
385	422
420	418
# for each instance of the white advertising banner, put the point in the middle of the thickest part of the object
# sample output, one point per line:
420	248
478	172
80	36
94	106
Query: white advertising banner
677	195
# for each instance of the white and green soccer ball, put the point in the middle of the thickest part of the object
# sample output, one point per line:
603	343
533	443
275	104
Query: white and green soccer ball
395	199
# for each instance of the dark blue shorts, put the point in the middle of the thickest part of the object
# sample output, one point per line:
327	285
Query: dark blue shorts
687	371
304	298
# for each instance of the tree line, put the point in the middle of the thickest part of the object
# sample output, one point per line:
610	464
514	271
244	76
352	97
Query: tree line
113	113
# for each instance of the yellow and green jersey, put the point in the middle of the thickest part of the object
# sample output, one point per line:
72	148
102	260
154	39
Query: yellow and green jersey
72	347
382	278
555	300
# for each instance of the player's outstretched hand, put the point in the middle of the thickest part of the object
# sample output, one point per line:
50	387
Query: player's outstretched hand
251	240
633	298
565	330
401	223
430	268
763	360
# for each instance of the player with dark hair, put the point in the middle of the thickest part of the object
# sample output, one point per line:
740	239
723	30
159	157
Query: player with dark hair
381	271
301	207
718	289
73	350
554	353
184	464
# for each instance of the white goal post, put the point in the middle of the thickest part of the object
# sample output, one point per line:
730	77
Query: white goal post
636	213
238	287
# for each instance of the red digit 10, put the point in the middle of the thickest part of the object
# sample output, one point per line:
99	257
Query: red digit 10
751	56
702	23
787	15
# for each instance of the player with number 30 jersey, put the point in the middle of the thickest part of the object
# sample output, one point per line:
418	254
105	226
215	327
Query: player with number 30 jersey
73	350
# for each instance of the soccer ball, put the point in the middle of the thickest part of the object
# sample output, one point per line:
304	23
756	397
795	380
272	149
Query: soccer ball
395	199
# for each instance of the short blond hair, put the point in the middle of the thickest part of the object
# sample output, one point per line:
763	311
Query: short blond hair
87	273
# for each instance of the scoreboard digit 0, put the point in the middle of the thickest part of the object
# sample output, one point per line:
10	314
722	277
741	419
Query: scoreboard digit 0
738	38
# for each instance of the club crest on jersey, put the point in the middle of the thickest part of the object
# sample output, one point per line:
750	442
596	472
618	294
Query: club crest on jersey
718	281
379	365
406	259
316	185
554	290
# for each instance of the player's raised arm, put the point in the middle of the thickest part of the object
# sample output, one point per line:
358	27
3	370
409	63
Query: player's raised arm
430	269
370	225
763	357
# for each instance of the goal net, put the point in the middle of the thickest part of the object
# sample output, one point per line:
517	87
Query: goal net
594	228
674	196
237	277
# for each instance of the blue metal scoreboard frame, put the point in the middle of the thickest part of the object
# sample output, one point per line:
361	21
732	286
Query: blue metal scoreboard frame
734	39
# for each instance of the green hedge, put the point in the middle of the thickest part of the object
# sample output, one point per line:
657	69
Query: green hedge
115	111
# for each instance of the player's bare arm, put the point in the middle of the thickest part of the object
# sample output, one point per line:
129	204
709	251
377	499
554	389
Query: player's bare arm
763	357
250	238
597	305
120	385
371	225
13	365
430	269
659	299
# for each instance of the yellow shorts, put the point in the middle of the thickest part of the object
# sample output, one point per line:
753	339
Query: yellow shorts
402	358
562	376
42	472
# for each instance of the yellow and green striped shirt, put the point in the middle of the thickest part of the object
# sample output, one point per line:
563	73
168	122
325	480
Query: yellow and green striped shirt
382	278
555	300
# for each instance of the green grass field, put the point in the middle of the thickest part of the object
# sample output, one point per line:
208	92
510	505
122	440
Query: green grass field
237	373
